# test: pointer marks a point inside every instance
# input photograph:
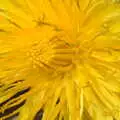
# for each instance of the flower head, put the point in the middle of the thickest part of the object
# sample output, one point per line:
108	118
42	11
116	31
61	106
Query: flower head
60	59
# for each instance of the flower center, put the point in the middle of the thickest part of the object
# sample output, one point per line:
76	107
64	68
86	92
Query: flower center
53	54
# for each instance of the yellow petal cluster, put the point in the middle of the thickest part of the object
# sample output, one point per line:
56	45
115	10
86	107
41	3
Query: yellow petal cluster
60	59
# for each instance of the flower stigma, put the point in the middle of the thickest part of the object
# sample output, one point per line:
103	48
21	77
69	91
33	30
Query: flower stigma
54	54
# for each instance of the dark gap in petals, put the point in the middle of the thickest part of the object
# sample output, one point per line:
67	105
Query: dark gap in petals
9	87
57	118
15	96
13	117
2	30
1	85
18	81
58	101
14	23
78	4
11	110
39	115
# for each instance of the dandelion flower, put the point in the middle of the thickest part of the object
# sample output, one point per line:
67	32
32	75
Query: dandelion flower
60	59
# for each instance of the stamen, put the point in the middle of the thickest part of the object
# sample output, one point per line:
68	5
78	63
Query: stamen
53	54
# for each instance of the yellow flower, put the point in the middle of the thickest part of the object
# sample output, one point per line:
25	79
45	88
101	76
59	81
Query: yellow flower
60	59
